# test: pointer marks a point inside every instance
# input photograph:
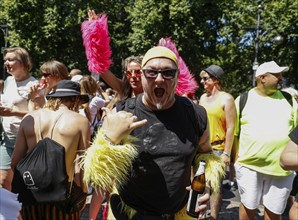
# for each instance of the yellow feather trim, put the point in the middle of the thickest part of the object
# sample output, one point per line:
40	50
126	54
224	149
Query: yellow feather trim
129	211
214	171
104	163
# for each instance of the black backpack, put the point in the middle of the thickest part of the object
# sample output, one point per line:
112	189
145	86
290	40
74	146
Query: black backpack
41	175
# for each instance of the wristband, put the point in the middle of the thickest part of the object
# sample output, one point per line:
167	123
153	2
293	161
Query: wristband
227	154
108	140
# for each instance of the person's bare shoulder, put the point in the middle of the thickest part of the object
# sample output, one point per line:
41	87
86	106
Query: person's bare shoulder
29	117
75	118
203	97
227	97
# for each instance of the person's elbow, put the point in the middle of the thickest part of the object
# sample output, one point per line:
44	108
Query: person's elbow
282	163
13	165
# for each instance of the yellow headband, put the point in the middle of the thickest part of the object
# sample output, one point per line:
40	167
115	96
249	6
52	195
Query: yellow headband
159	52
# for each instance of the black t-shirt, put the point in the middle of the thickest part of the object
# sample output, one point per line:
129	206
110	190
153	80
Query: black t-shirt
294	135
167	144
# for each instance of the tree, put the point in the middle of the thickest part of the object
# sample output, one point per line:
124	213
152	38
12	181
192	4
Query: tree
205	32
47	29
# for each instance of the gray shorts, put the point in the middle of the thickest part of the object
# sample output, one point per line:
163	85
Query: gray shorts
218	152
6	150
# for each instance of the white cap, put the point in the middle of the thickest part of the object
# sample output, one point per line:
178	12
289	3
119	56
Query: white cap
270	67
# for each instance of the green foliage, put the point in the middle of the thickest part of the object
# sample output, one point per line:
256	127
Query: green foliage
205	32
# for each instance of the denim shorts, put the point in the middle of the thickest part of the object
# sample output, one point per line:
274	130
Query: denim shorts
218	152
6	150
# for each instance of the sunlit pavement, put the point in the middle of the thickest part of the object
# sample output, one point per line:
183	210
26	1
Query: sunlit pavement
229	208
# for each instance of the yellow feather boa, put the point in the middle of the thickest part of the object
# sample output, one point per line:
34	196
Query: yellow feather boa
214	171
104	163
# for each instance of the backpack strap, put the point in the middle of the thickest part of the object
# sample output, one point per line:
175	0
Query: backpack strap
191	113
288	97
293	103
242	102
52	129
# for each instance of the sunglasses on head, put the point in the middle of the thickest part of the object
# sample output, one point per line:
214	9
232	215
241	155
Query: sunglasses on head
166	74
129	73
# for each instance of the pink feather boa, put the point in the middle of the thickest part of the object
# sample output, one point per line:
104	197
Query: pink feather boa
97	44
187	84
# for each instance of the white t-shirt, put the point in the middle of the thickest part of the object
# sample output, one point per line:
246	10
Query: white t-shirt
9	205
15	95
95	104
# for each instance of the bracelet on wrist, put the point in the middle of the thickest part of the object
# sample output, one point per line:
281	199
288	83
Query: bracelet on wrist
108	139
227	154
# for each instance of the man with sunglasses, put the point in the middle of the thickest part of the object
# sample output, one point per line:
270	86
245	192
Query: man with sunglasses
266	120
175	133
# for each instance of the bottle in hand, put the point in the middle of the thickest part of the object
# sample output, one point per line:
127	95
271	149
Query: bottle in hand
197	189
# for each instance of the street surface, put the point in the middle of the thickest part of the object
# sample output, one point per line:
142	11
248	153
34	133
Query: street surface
229	208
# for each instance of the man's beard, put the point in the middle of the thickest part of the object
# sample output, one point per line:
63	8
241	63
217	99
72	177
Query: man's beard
159	106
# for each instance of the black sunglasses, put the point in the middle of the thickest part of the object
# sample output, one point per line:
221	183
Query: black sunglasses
205	78
166	74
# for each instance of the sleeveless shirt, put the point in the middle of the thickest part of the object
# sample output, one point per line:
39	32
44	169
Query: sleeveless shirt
217	121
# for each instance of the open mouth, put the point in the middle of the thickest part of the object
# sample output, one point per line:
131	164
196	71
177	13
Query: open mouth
159	92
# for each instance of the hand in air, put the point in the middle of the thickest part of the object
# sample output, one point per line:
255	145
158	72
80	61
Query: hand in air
117	125
36	90
92	15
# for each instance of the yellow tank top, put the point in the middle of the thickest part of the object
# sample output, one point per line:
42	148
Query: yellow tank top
217	122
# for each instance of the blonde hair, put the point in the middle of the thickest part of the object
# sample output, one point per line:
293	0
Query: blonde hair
22	56
54	103
89	85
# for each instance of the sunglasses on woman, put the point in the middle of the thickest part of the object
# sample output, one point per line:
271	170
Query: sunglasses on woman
129	73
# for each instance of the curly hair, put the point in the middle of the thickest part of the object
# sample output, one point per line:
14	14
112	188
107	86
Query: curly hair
54	103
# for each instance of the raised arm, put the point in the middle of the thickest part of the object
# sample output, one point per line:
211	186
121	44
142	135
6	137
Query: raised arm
113	81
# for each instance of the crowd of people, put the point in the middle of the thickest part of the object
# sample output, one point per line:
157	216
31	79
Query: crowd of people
255	136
